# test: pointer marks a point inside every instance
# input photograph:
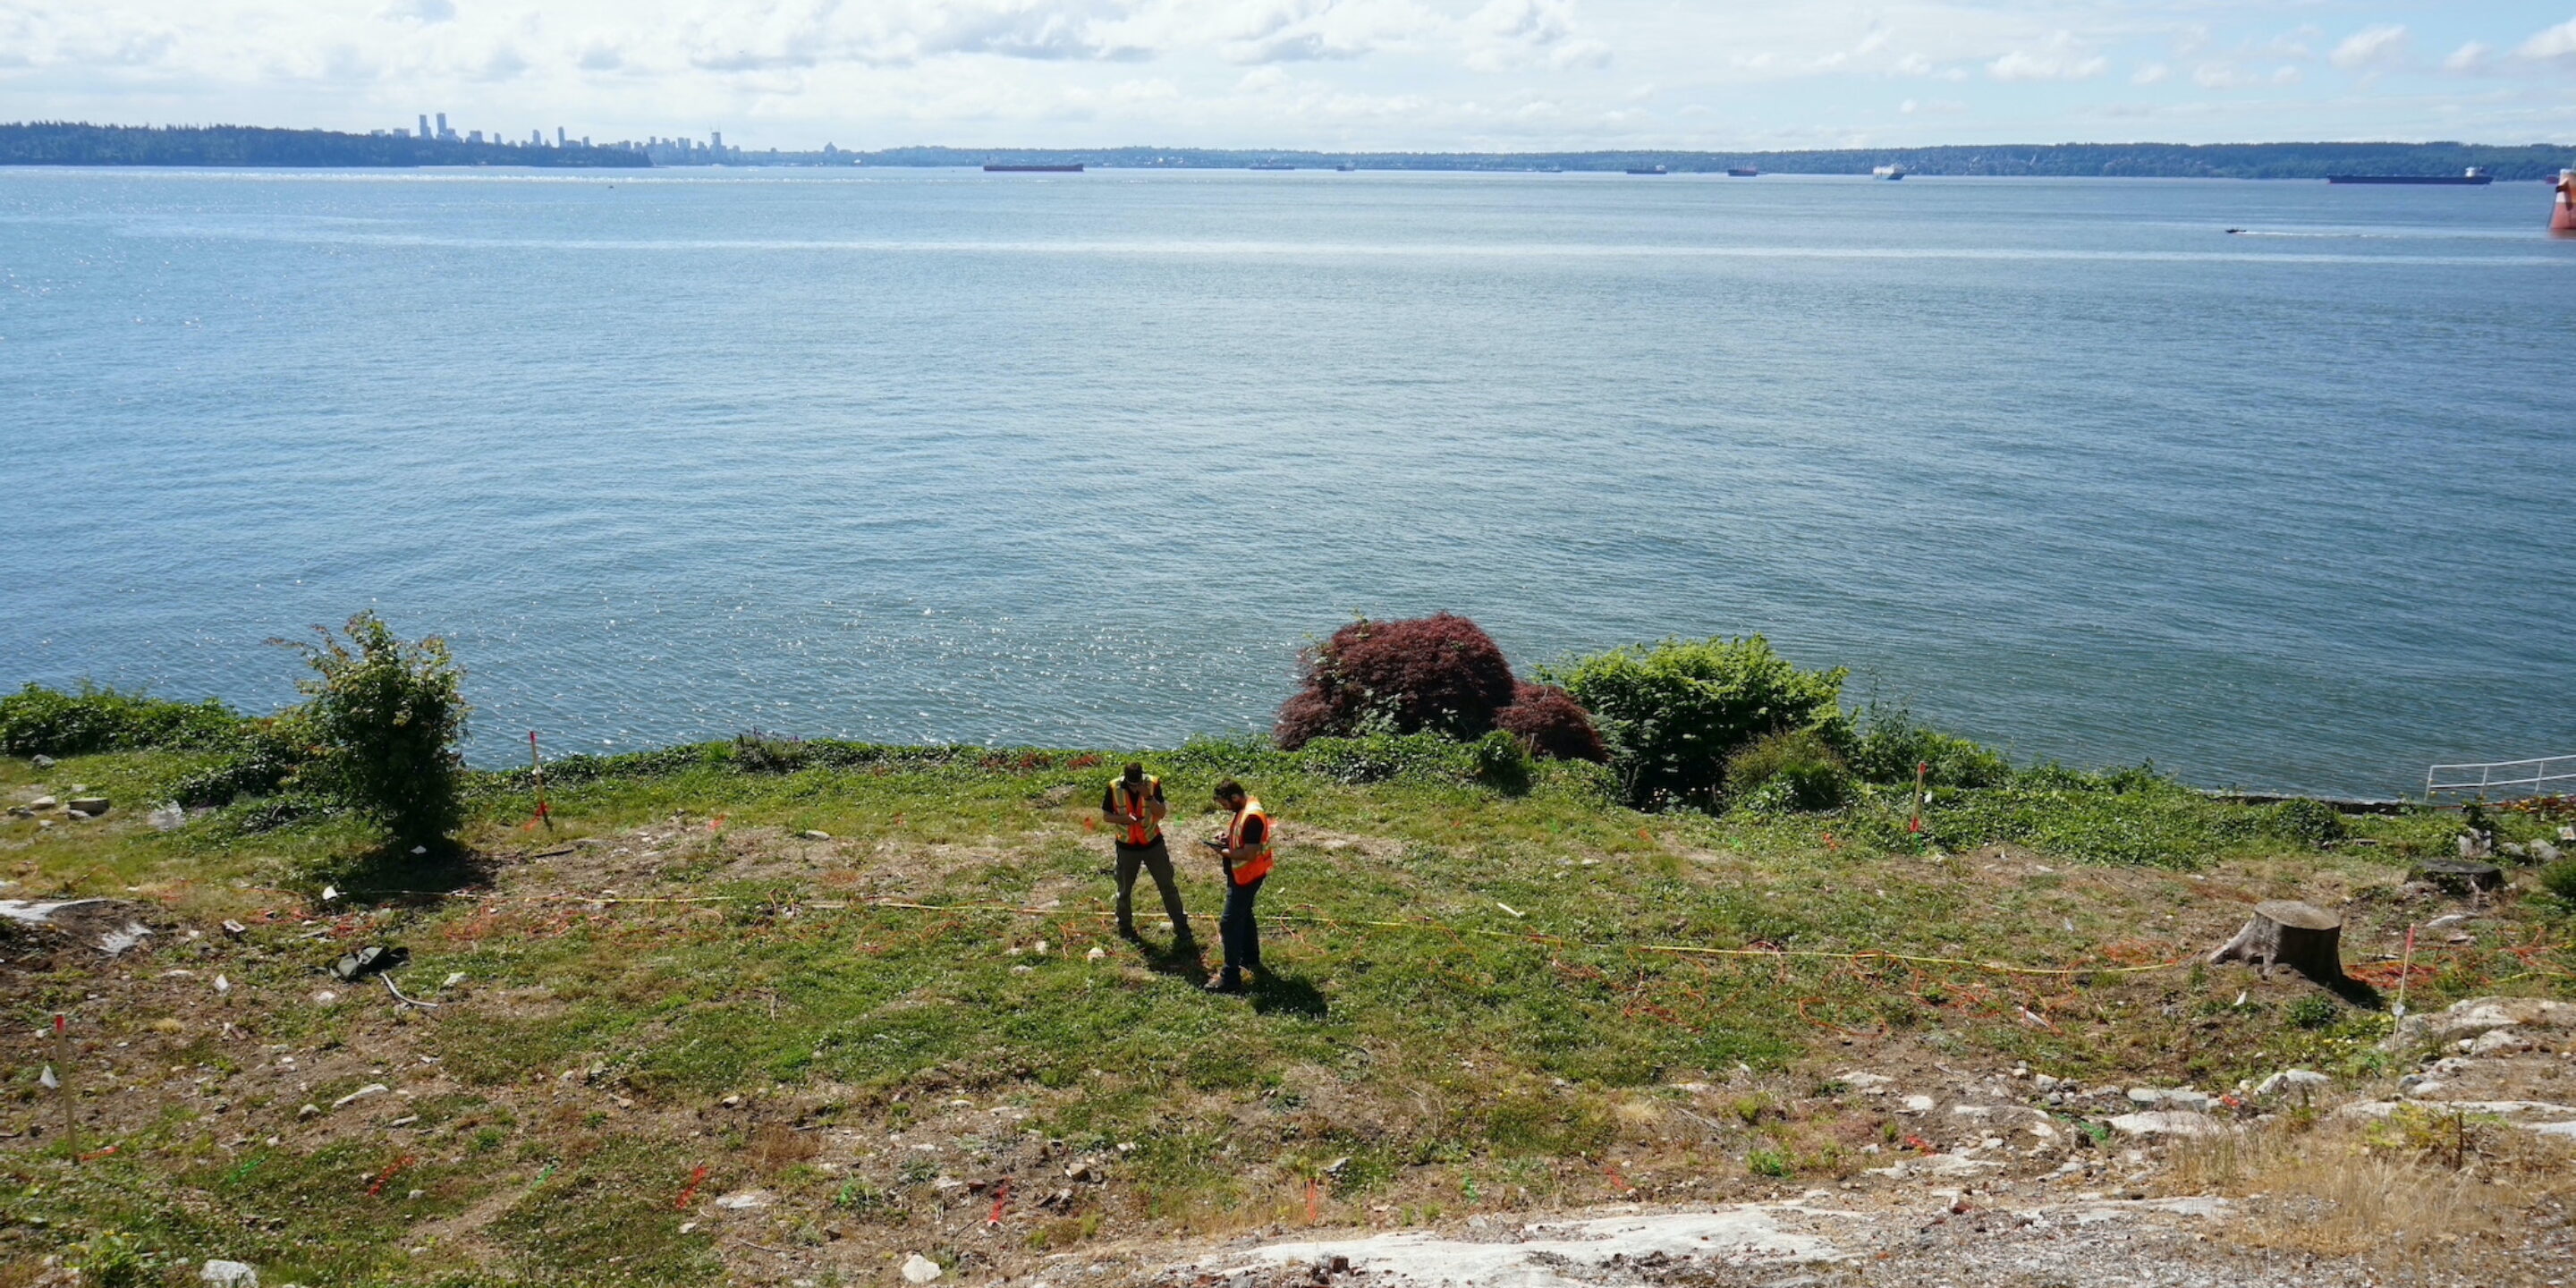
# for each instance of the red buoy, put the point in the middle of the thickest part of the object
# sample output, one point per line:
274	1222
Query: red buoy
2562	220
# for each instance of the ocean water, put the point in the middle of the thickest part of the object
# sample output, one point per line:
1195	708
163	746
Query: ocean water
1084	459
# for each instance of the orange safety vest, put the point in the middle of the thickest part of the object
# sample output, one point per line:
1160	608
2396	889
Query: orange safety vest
1258	866
1138	806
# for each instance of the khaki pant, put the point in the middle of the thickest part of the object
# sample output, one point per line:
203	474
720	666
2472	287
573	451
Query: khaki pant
1156	859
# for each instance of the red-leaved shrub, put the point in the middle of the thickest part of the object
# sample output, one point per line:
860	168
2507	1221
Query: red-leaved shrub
1550	722
1440	673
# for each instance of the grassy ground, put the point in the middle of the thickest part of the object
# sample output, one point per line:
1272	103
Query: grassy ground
1482	1001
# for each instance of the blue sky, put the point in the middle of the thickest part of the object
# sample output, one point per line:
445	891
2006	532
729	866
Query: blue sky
1370	74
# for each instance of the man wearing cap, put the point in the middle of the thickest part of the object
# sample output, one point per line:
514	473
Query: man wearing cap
1133	808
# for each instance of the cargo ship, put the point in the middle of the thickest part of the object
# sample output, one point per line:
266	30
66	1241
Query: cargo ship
994	167
1741	172
1647	169
1887	172
2473	176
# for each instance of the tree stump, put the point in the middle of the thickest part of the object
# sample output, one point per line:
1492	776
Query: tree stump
2303	937
2461	876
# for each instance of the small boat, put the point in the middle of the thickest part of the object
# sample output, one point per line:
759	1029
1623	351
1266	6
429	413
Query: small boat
1345	167
1742	172
991	167
1651	169
1889	172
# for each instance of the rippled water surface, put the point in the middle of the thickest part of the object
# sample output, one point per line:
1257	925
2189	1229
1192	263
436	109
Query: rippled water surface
933	455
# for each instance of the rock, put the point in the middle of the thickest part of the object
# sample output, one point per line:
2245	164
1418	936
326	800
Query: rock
2477	1017
228	1274
810	834
744	1200
1918	1104
44	762
2416	1086
2544	852
2164	1122
166	817
2043	1082
2462	875
2506	1040
918	1269
87	806
41	804
2476	845
371	1089
2290	1080
2447	921
308	1111
2145	1095
1870	1084
1095	954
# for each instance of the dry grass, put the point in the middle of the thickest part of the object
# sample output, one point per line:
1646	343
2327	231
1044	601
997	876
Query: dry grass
775	1147
2387	1193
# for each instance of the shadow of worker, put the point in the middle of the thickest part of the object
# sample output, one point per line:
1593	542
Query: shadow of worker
1288	995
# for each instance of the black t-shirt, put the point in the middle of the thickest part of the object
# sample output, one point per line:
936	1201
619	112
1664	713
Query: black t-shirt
1254	829
1109	796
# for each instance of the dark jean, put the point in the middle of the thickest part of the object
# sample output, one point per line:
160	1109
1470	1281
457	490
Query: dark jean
1241	935
1155	858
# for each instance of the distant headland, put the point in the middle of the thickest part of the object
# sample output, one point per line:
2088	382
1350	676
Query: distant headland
63	143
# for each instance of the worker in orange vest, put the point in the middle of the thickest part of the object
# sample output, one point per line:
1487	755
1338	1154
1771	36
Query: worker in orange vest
1244	852
1133	808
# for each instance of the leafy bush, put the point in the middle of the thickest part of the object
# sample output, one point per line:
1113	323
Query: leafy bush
2315	1011
1788	771
758	753
2314	824
1891	743
1501	762
266	756
37	721
1549	722
1441	674
1674	711
2559	880
384	719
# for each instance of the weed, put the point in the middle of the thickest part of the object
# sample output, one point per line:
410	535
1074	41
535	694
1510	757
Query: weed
1769	1162
2315	1011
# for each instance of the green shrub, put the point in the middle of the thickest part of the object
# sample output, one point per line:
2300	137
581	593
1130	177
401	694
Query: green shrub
1891	743
1503	762
2314	824
2315	1011
1788	771
37	721
758	753
384	718
2559	880
1674	711
266	755
1769	1162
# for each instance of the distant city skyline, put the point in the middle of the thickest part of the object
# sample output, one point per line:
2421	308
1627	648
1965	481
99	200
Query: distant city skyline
1323	74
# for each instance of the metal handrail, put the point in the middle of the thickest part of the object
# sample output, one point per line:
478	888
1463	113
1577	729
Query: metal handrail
2501	775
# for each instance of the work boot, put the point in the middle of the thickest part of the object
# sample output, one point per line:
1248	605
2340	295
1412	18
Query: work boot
1128	932
1224	982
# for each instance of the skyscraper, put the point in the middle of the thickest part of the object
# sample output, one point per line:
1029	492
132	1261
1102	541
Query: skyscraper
559	136
424	125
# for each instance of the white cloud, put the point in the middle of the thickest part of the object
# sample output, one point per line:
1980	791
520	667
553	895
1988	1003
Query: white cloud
424	12
2152	74
2371	47
2061	57
2467	58
2557	43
